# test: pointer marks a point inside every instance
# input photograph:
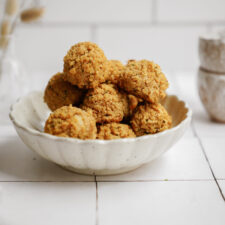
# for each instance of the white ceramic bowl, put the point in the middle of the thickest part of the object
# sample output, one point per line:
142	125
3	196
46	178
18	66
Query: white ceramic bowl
96	157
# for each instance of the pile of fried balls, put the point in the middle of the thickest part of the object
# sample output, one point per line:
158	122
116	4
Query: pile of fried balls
97	98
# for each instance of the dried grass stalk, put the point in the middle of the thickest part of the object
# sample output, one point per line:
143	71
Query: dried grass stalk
3	41
11	7
5	28
31	14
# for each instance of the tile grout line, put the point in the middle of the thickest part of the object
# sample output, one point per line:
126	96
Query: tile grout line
122	24
100	181
163	180
46	181
96	206
206	157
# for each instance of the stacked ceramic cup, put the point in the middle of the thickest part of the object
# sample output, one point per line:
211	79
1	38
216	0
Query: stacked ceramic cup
211	75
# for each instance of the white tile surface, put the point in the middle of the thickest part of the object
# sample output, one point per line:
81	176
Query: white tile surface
190	10
7	130
43	48
189	133
98	11
184	161
170	47
160	203
215	150
18	163
222	186
186	87
205	127
217	28
47	203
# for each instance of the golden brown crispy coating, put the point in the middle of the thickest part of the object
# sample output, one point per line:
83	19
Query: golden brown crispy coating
85	65
115	131
114	71
150	119
104	103
60	93
69	121
130	102
145	80
133	102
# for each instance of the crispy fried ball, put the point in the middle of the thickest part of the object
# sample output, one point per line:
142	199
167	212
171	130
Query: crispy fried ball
115	131
150	119
115	69
60	93
85	65
104	103
130	102
145	80
69	121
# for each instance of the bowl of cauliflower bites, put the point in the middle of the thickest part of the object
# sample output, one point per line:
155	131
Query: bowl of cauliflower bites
99	116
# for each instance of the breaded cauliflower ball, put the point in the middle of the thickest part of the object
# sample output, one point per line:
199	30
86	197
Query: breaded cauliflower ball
150	119
69	121
115	131
60	93
130	102
85	65
104	103
145	80
114	71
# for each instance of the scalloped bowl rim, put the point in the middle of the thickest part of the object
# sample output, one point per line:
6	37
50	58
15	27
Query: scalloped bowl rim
96	141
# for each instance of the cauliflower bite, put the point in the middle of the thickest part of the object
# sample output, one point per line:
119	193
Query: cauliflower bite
60	93
104	103
115	131
114	71
130	102
69	121
145	80
150	119
85	65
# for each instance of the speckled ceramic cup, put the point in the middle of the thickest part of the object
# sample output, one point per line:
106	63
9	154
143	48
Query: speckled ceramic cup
211	87
212	52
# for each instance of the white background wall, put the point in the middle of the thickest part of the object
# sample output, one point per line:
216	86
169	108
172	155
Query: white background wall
165	31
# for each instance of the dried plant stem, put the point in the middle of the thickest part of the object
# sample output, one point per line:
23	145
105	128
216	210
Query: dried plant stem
11	7
31	14
5	28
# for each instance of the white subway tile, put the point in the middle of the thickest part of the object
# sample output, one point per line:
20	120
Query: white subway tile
43	48
215	150
47	203
218	28
175	202
186	81
190	10
7	130
19	163
173	48
222	186
184	161
204	126
98	11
